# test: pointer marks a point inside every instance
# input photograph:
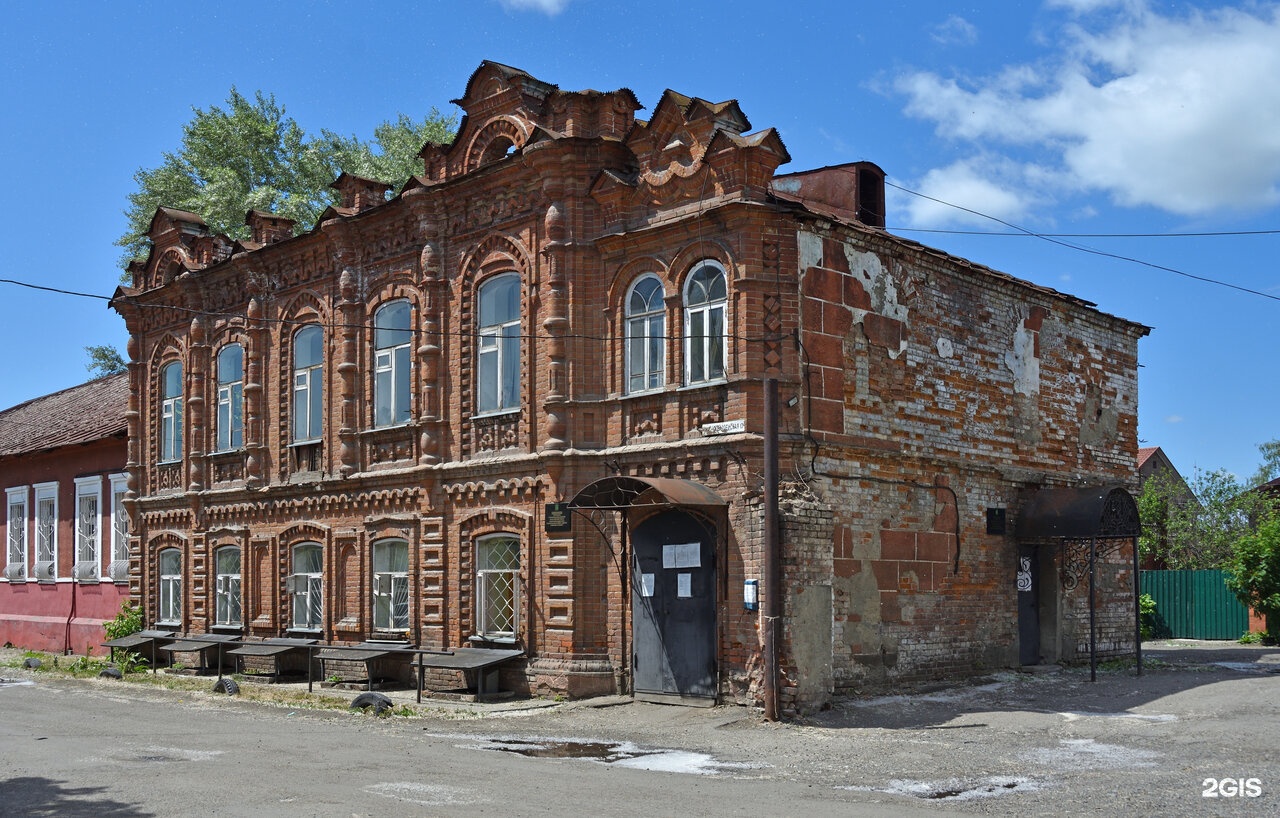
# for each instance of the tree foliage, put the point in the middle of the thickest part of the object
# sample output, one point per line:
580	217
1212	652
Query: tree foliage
1254	570
250	155
1198	531
1270	466
104	360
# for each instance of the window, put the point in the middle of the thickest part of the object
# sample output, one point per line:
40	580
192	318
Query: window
304	584
88	566
391	367
119	568
170	587
47	531
646	335
498	358
171	412
16	553
227	601
391	585
497	586
230	412
705	298
308	383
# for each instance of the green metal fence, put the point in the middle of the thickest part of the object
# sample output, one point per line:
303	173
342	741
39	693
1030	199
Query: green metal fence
1195	605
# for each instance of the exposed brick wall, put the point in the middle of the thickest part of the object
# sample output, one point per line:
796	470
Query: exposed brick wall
915	375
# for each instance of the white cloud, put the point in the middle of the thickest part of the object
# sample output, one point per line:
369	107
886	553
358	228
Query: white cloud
1178	113
987	184
955	31
1173	419
549	7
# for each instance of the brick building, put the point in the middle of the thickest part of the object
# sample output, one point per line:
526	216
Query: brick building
66	557
520	402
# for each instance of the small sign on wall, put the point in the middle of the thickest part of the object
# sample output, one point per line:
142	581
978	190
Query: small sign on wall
557	518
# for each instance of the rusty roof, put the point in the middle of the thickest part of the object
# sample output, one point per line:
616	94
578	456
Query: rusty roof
82	414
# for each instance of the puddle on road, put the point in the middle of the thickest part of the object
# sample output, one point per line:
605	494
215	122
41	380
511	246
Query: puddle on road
16	683
1074	715
622	754
955	789
1250	667
169	755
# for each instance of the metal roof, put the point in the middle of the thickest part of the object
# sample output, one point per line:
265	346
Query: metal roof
624	492
1079	514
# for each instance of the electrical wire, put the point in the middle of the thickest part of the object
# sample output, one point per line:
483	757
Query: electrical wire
1090	250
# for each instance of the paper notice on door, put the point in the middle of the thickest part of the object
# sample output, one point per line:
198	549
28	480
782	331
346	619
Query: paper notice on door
646	585
682	555
684	585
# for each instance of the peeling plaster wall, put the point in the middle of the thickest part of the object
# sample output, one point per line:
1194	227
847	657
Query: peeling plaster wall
925	374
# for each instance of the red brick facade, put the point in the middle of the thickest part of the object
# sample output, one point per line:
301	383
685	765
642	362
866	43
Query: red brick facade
919	390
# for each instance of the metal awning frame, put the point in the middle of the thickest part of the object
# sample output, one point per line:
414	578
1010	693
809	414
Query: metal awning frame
1088	523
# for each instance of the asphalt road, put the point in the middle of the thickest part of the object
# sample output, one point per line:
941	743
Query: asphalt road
1203	720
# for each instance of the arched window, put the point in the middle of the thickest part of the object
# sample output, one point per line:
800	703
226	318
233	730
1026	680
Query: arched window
498	356
705	298
304	584
308	383
170	612
227	605
646	335
171	412
391	585
391	367
230	412
498	586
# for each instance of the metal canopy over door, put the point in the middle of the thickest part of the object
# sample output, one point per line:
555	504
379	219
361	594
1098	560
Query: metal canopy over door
673	592
673	545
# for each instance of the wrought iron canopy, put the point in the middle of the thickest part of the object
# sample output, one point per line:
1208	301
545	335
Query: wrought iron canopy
1101	512
624	492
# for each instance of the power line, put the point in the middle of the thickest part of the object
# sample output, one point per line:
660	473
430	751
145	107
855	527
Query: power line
1024	235
1083	249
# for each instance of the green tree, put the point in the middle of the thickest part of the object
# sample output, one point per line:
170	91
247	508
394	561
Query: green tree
1270	467
251	155
1199	530
1254	570
104	360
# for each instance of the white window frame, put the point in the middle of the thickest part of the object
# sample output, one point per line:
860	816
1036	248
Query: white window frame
46	530
487	578
228	597
307	590
498	343
169	586
308	392
17	539
388	587
699	347
170	415
393	366
229	424
119	565
88	529
646	360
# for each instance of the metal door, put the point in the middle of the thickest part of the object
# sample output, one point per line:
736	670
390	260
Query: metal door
673	594
1028	606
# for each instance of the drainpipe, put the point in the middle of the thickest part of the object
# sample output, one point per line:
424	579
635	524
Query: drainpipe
771	589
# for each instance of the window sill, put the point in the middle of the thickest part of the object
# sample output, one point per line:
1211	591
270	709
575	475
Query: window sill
497	413
702	384
492	640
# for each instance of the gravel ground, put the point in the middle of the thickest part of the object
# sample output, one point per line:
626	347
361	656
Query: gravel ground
1048	742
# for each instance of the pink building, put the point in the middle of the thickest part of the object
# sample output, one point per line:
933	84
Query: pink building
65	533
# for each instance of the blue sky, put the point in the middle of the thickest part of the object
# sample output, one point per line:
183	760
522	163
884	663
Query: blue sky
1059	117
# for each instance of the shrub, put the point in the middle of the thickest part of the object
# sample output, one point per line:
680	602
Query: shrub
128	621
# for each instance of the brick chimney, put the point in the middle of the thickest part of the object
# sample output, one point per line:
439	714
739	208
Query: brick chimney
268	228
358	194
